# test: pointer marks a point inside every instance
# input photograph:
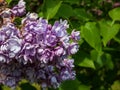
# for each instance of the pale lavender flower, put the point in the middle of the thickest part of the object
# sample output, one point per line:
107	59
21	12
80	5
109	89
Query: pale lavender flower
65	41
73	48
50	40
75	35
59	51
13	46
46	56
10	30
19	9
28	37
54	82
10	81
68	63
2	37
59	28
29	17
29	50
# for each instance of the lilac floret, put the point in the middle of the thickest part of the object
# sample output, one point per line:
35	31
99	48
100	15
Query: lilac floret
65	41
73	48
29	17
10	30
50	40
13	46
75	35
2	37
59	51
19	9
47	55
59	28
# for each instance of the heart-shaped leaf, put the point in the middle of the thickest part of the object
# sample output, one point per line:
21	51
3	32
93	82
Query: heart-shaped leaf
108	31
115	14
91	34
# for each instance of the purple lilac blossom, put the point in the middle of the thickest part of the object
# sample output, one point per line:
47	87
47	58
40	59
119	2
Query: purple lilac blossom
75	35
37	51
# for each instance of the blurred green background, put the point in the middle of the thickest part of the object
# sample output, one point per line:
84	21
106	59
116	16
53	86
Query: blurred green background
97	64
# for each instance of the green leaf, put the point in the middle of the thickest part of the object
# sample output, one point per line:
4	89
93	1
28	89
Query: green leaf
18	88
96	57
103	59
23	81
81	14
87	63
37	86
70	85
27	86
8	1
116	85
82	59
106	58
80	56
51	7
107	31
91	34
72	1
40	14
5	88
117	39
84	87
65	11
115	14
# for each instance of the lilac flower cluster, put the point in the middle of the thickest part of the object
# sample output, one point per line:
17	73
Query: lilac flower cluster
36	50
